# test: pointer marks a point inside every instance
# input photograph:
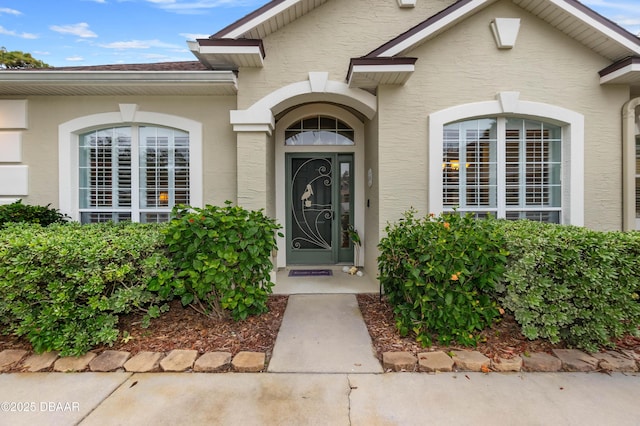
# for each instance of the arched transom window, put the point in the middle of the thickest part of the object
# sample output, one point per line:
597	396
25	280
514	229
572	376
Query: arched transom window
135	173
319	130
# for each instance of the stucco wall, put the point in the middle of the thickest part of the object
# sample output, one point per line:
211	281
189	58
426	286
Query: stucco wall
463	66
40	140
326	39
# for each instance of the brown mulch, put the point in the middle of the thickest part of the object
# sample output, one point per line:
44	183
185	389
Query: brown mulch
184	328
502	340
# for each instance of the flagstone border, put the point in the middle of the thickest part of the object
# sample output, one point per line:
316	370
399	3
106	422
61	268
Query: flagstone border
180	360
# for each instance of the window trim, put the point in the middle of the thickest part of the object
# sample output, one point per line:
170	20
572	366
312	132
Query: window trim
508	104
68	152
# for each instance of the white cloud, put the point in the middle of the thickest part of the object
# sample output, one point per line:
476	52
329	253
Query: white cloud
7	11
80	30
29	36
74	59
190	36
138	44
190	7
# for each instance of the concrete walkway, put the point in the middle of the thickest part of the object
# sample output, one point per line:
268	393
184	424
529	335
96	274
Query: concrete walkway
319	399
323	333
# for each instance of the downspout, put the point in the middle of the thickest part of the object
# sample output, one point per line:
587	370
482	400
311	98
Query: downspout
630	129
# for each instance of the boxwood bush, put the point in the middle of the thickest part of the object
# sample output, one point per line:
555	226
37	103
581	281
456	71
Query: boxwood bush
63	287
572	284
439	274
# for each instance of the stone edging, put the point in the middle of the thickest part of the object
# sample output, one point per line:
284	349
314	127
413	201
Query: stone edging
181	360
561	360
144	362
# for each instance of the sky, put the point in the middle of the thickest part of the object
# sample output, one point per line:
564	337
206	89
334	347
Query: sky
95	32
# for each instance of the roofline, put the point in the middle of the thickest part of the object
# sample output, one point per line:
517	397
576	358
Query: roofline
438	17
232	42
118	77
626	62
604	20
379	61
462	8
253	19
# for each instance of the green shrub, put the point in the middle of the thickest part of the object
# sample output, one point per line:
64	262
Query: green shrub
572	284
439	275
222	259
63	286
23	213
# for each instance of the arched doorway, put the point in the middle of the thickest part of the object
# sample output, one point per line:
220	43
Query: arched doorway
319	158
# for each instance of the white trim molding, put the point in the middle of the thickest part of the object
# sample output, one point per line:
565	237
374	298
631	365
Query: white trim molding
318	88
509	104
14	180
13	113
630	130
68	139
505	31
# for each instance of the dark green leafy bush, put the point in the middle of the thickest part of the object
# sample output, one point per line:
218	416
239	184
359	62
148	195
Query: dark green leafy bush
23	213
572	284
63	286
222	260
439	274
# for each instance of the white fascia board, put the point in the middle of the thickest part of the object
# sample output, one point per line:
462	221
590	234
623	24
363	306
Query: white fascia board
607	31
140	77
230	50
383	68
260	19
610	78
418	37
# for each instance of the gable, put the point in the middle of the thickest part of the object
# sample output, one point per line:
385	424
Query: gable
240	44
572	18
569	16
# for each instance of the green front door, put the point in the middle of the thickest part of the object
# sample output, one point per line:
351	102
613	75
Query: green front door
319	208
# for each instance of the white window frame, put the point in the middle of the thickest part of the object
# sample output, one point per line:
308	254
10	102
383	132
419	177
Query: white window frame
499	142
68	152
508	104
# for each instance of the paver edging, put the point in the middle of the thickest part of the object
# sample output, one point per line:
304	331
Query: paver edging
411	362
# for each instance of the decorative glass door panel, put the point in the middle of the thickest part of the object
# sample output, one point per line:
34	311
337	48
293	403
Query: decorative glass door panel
319	208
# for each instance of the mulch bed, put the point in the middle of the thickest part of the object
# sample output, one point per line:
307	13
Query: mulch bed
184	328
502	340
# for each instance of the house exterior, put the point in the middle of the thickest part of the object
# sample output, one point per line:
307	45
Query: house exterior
331	114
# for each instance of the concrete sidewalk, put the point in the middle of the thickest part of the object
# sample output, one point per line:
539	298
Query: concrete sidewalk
320	399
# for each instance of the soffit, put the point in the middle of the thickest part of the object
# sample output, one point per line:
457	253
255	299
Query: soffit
268	19
369	73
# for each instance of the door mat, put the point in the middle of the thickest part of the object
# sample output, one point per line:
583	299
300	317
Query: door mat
310	273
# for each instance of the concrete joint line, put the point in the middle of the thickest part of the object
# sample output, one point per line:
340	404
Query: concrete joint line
351	388
126	379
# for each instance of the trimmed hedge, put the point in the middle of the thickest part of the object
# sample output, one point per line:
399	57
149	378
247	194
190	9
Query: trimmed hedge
572	284
439	273
24	213
63	287
447	276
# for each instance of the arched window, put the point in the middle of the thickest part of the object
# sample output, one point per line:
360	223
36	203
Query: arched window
508	167
319	130
135	173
